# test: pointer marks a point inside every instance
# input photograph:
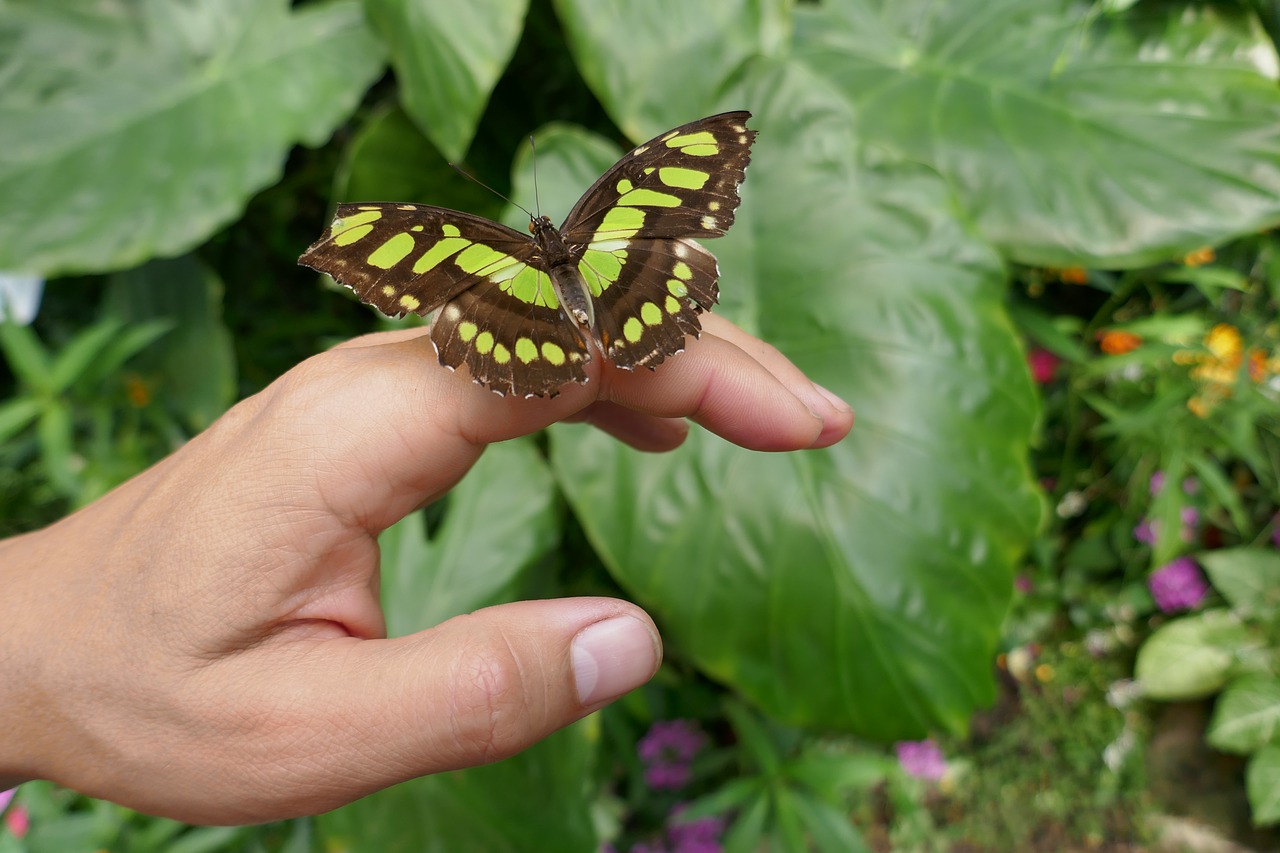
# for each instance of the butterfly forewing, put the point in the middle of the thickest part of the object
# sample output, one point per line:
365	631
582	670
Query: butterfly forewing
683	183
412	258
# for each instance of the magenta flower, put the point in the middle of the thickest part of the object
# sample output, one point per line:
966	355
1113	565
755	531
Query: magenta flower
1157	482
1145	532
1178	585
6	797
921	759
1043	364
668	750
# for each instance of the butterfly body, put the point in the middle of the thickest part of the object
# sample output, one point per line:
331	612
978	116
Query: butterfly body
521	310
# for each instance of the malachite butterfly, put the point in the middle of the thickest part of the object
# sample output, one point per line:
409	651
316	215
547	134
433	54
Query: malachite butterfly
517	310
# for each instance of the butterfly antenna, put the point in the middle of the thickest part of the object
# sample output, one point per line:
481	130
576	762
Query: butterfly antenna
533	156
470	177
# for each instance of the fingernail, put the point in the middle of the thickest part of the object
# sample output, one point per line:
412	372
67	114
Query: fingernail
836	403
612	657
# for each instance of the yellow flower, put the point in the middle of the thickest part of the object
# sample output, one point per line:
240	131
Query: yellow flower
1224	342
1199	257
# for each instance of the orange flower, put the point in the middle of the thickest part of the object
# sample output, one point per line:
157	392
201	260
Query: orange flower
136	390
1199	257
1118	341
1074	275
1259	364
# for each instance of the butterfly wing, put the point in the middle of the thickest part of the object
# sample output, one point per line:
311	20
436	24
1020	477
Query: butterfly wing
683	183
498	313
633	228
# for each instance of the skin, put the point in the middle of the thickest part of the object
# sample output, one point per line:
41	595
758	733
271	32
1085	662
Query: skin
206	642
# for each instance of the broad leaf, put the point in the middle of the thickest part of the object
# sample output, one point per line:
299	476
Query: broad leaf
1248	578
500	521
661	63
1262	783
1071	138
1191	657
134	130
1247	716
862	587
390	160
448	57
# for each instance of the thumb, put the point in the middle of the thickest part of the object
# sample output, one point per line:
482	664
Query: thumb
477	688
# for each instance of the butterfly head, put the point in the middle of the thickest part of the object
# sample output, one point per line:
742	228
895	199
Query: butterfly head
539	224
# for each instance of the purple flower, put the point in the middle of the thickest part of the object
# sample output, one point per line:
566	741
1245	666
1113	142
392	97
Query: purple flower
667	777
667	740
6	797
695	836
1156	483
921	759
1191	486
1145	532
667	750
1178	585
1023	584
1190	523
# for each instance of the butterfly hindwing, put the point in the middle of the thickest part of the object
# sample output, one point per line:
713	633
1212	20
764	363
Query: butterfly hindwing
512	346
644	314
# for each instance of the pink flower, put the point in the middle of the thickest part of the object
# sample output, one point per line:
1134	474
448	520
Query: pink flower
921	759
1043	364
1157	482
1023	584
18	820
1190	522
6	797
1145	532
1178	585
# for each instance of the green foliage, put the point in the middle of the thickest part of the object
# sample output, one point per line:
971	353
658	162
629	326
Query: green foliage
909	153
1234	650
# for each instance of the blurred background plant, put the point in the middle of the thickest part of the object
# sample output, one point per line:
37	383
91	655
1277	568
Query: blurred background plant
1027	240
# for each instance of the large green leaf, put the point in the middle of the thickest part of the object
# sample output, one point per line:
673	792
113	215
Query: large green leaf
499	524
390	160
861	587
135	130
1070	138
448	57
661	63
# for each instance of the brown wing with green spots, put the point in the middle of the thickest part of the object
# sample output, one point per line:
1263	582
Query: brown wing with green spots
403	258
683	183
513	347
644	316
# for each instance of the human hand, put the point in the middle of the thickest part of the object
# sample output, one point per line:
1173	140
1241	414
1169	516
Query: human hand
206	641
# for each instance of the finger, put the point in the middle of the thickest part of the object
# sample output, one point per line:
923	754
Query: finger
818	399
643	432
728	390
475	689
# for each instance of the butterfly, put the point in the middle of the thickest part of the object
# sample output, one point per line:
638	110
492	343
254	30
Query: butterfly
519	309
